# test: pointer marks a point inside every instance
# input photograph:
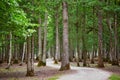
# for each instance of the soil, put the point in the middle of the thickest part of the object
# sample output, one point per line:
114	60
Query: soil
17	72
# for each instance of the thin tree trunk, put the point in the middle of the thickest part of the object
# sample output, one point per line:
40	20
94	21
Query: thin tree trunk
45	40
77	38
115	60
93	50
57	52
23	54
100	40
16	54
84	50
32	52
77	57
71	55
49	53
1	52
39	44
110	39
92	59
10	51
65	56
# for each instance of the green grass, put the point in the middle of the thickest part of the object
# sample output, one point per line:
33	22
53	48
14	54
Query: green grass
53	78
114	77
13	79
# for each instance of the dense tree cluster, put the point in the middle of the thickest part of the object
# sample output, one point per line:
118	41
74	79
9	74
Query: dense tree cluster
67	30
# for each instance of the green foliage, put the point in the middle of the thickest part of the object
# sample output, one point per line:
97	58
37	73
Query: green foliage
21	17
114	77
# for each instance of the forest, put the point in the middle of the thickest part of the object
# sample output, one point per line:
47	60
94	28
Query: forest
59	39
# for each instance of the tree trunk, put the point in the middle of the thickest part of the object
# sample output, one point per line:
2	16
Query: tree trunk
93	50
84	50
92	59
115	59
65	56
30	69
45	40
71	51
16	54
32	52
57	52
100	40
1	52
23	54
49	53
10	51
77	57
77	38
39	44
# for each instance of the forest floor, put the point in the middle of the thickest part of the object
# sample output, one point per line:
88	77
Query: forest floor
83	73
17	72
51	72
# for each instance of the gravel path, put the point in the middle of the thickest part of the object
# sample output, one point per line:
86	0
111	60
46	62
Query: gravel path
83	73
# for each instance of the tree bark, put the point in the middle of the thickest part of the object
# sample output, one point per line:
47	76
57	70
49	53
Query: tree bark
10	51
32	52
84	50
30	69
39	43
16	53
45	40
23	54
77	38
115	58
100	40
65	56
57	52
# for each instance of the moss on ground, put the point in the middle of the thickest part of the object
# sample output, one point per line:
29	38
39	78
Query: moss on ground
114	77
53	78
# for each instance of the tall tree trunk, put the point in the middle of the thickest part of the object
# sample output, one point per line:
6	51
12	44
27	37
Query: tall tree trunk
100	40
39	43
32	52
115	59
23	54
65	56
111	50
93	50
30	69
10	51
77	38
57	52
45	40
84	50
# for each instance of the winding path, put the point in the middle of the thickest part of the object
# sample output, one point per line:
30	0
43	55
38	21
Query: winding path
83	73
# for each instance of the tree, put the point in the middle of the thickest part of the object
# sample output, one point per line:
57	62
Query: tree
57	52
39	43
100	40
30	64
65	56
45	40
10	51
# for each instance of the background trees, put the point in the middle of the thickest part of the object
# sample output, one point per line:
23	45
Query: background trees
88	30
